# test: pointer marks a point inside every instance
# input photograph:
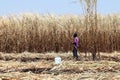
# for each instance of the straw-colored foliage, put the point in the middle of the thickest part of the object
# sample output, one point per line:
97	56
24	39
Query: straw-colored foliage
42	33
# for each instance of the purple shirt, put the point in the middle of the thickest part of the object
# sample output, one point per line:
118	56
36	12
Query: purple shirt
76	40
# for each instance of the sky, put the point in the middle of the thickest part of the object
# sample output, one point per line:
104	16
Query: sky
59	7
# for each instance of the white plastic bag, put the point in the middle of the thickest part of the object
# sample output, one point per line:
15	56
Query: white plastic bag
57	60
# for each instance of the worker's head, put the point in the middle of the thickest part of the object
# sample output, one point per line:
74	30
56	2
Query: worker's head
75	35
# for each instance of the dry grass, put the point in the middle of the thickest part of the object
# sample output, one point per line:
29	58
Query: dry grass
42	33
44	67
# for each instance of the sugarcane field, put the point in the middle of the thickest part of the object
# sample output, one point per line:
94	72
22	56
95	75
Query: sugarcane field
36	46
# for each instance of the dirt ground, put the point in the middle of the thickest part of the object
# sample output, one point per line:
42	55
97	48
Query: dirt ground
38	66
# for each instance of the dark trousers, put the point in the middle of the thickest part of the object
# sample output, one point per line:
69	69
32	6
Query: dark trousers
75	55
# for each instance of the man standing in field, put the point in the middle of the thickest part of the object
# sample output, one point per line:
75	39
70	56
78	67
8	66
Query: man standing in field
75	46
